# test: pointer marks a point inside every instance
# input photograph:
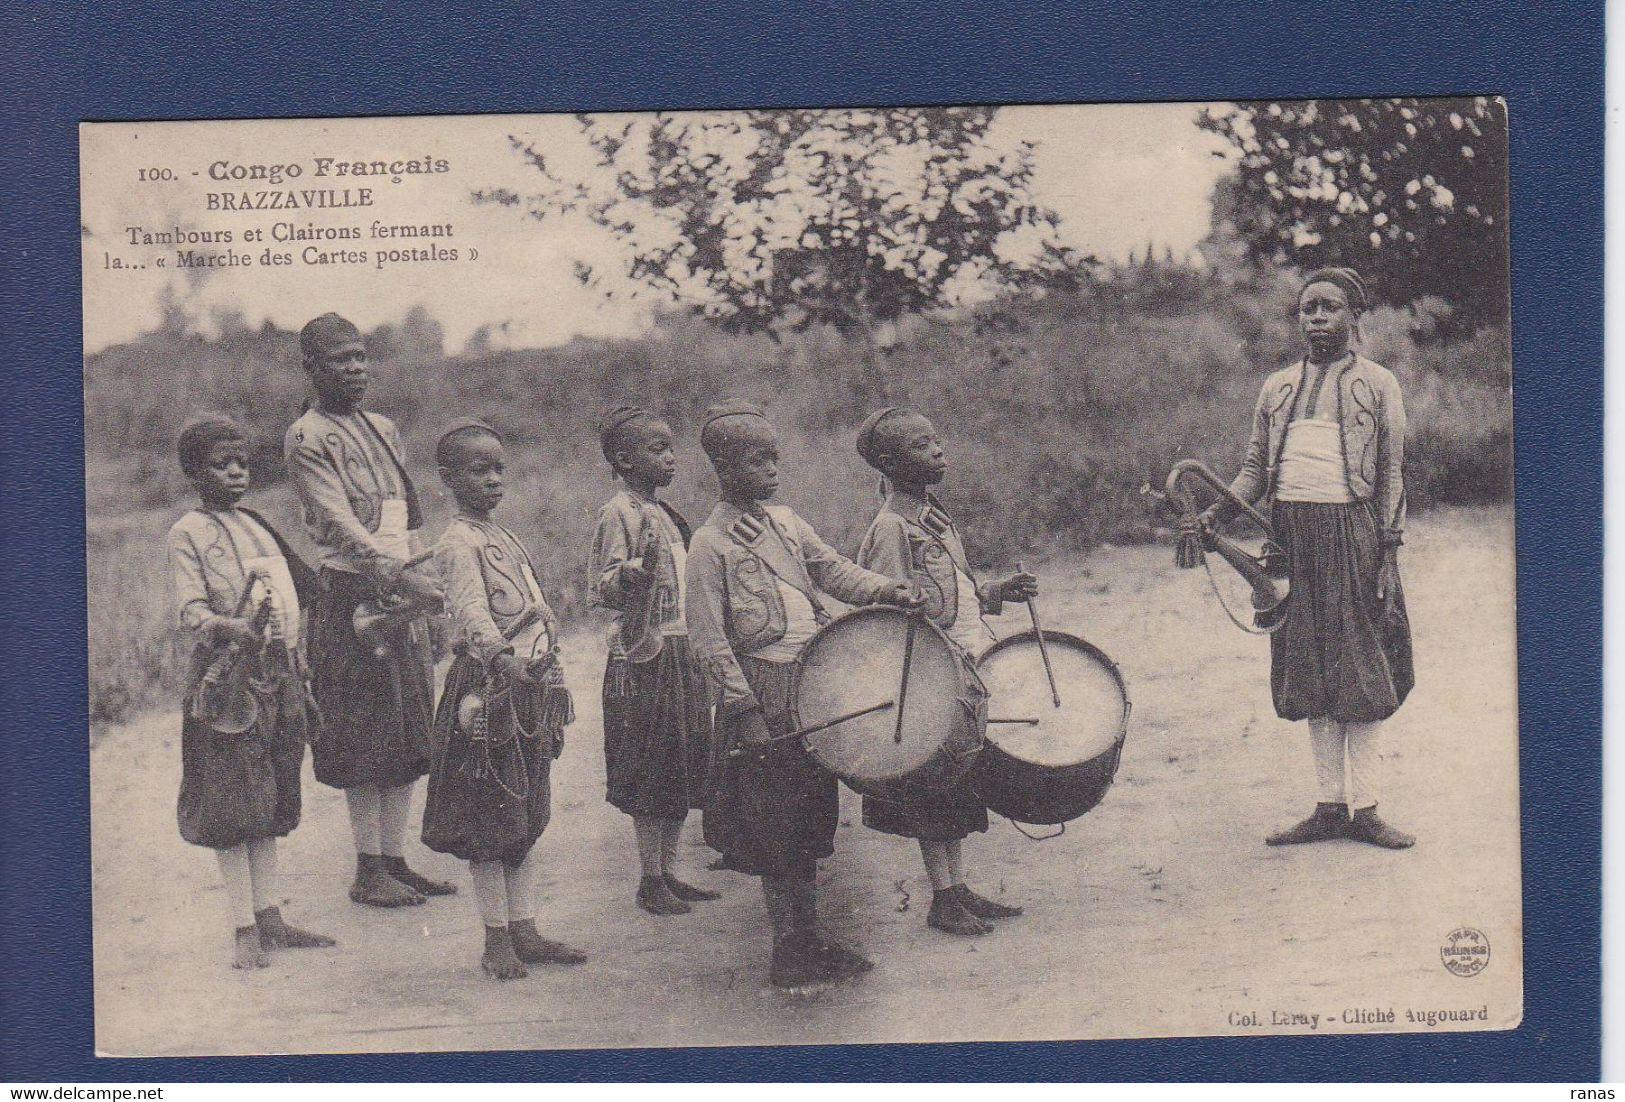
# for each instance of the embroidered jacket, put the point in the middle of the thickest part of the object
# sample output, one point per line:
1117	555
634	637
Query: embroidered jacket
492	593
207	551
732	592
630	526
913	539
1371	414
344	471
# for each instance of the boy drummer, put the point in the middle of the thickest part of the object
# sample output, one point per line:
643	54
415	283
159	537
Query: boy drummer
913	539
754	578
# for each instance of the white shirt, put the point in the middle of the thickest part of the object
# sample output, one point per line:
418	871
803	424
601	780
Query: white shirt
1312	464
968	630
799	625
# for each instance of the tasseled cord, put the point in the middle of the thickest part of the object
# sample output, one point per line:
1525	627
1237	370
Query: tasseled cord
1188	553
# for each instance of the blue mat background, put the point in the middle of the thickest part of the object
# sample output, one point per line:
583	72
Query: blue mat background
68	62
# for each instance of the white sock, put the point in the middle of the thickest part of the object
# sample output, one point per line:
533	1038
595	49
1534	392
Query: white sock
649	831
239	884
490	891
521	883
262	872
395	807
1365	762
363	802
671	832
1326	744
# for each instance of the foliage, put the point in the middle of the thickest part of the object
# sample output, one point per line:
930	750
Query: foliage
772	221
1410	192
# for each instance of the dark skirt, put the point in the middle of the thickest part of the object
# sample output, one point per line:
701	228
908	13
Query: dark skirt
490	798
1336	654
236	788
376	712
657	732
929	814
772	813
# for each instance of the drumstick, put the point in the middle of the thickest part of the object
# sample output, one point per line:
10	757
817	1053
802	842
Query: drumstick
1031	721
823	725
1043	650
908	660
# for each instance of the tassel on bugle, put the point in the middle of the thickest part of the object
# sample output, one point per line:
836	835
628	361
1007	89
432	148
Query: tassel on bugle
1188	549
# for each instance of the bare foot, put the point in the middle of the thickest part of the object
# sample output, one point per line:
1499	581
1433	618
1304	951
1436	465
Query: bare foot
499	960
532	948
277	934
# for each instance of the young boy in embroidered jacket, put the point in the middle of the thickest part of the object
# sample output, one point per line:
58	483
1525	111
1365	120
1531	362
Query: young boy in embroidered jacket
500	722
755	573
657	710
238	589
912	538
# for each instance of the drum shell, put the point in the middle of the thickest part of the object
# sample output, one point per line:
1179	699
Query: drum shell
960	735
1045	795
1042	795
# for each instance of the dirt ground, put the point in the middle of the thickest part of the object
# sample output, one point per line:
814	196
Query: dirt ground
1159	913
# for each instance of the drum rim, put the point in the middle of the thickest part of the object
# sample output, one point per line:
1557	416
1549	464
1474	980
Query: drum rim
1029	635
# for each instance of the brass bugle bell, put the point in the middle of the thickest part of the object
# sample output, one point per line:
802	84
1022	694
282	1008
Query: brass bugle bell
376	623
229	709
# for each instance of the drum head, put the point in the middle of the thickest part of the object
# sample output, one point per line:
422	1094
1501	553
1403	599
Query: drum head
1094	703
855	661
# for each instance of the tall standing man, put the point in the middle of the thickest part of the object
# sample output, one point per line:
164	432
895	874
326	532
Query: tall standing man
376	694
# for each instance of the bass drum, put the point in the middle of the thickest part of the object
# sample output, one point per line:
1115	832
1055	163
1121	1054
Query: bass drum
1055	770
856	661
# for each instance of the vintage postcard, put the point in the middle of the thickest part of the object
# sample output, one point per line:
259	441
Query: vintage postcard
801	577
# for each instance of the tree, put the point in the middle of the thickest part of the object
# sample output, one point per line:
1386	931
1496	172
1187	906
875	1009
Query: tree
1410	192
770	220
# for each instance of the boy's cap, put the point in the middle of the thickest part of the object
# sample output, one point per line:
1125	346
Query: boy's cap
612	420
716	430
1346	278
733	407
324	334
442	451
871	424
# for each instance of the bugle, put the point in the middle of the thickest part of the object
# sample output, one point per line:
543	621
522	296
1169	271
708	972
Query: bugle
224	700
1265	572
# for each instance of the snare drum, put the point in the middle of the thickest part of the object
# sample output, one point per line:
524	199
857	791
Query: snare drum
1055	770
856	661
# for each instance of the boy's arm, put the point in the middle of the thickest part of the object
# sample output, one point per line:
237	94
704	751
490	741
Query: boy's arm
1389	491
328	507
611	551
194	613
838	575
466	599
705	605
1250	482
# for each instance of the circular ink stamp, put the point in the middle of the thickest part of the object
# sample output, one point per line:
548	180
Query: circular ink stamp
1465	952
